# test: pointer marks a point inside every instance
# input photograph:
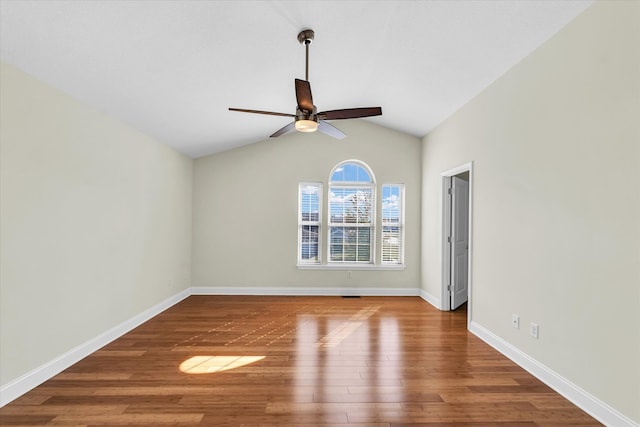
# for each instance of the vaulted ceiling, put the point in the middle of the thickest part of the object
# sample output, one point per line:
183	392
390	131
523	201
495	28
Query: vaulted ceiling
171	68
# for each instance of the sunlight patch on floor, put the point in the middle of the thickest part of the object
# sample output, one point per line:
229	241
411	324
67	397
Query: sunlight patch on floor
345	329
211	364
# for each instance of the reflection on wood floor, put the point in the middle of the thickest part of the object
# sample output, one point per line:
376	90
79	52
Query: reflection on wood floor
312	361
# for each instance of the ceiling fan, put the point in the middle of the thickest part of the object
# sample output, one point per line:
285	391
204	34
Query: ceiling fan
307	118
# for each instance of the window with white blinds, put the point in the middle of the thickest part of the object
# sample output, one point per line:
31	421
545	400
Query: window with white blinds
309	221
363	222
393	224
352	192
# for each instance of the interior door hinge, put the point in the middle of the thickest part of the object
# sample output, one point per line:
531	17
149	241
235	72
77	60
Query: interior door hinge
449	239
449	288
449	191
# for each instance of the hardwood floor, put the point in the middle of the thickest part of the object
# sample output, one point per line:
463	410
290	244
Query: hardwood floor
312	361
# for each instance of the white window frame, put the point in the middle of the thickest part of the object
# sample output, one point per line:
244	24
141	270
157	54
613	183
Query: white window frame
400	225
302	222
369	186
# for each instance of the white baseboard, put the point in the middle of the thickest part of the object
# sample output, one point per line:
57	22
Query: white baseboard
585	401
302	291
30	380
430	299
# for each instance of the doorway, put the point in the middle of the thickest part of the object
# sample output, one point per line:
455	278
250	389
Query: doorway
456	238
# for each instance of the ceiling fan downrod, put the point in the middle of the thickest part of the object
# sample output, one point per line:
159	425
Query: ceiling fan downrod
305	37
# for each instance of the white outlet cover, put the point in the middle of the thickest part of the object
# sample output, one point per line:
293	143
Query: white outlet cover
534	330
515	321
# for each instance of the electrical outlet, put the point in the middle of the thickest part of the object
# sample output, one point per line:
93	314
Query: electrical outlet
348	274
515	321
533	330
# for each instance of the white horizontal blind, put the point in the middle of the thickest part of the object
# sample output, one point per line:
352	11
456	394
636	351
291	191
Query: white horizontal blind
309	221
393	224
351	214
351	211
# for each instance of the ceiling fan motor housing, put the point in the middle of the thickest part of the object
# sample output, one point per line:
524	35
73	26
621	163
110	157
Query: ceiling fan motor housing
307	115
306	121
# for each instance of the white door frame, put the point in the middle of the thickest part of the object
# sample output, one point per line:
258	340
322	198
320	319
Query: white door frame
445	299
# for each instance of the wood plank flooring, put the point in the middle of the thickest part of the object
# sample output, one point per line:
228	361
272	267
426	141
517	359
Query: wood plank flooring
306	361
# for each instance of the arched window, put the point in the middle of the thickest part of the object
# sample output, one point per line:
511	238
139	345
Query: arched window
352	202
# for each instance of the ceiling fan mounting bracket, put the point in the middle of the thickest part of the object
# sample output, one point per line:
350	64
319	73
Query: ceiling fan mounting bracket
305	37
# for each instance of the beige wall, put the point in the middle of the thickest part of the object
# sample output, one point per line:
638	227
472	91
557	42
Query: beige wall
245	207
555	144
95	223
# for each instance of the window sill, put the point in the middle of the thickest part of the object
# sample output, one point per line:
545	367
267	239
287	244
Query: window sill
367	267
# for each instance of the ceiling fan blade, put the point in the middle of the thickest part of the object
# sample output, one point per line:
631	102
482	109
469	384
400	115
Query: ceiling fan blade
303	95
270	113
350	113
330	130
288	128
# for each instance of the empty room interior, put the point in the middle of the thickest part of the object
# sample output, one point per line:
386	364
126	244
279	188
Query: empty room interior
320	213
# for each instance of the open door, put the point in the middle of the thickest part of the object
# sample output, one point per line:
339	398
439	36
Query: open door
459	241
457	236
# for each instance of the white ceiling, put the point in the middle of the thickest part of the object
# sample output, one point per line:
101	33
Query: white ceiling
172	68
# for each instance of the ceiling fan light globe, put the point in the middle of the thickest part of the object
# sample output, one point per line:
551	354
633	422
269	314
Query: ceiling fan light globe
306	125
